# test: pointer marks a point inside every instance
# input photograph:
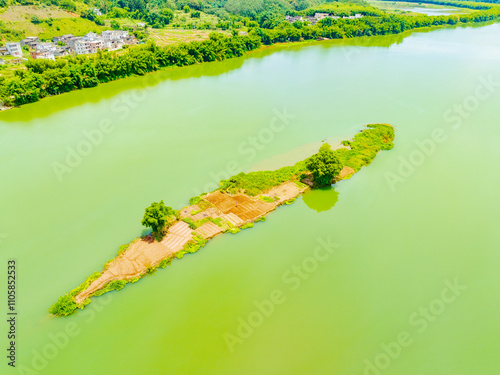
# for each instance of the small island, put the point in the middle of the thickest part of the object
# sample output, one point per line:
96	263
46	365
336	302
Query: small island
237	204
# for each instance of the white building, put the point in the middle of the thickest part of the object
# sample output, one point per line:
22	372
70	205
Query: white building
110	35
43	54
44	51
320	16
46	46
29	40
113	39
85	46
14	49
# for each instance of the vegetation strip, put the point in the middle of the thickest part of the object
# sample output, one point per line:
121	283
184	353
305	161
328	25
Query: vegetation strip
343	20
237	204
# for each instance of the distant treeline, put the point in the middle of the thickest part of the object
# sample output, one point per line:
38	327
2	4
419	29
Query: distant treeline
46	77
458	4
367	26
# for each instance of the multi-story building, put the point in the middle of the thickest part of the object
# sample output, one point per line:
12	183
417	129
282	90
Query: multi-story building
29	40
14	49
114	39
44	51
72	41
62	38
62	51
85	46
42	54
46	46
110	35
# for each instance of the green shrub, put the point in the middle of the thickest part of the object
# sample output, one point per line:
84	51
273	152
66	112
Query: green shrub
366	145
266	199
165	262
324	166
64	306
190	222
255	183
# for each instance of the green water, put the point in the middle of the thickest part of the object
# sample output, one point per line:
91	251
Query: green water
399	240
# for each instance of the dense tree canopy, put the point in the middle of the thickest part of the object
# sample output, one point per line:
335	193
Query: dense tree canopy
155	217
324	166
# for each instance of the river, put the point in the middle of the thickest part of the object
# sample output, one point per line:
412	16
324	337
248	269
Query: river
410	286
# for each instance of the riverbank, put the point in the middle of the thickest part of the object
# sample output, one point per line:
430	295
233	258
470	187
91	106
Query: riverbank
238	204
45	78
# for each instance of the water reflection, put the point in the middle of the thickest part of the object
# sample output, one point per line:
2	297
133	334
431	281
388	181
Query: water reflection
49	106
321	199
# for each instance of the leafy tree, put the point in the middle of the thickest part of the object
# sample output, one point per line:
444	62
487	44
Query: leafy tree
155	217
195	14
186	9
160	19
115	25
35	19
324	166
244	7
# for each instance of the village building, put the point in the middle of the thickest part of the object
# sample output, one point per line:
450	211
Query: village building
90	43
62	38
42	54
29	40
14	49
294	18
320	16
71	42
62	51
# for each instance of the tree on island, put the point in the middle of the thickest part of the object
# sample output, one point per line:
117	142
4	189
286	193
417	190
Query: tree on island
156	218
324	166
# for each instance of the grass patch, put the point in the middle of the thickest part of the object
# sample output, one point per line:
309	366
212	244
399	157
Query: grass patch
255	183
366	145
266	199
47	29
66	304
